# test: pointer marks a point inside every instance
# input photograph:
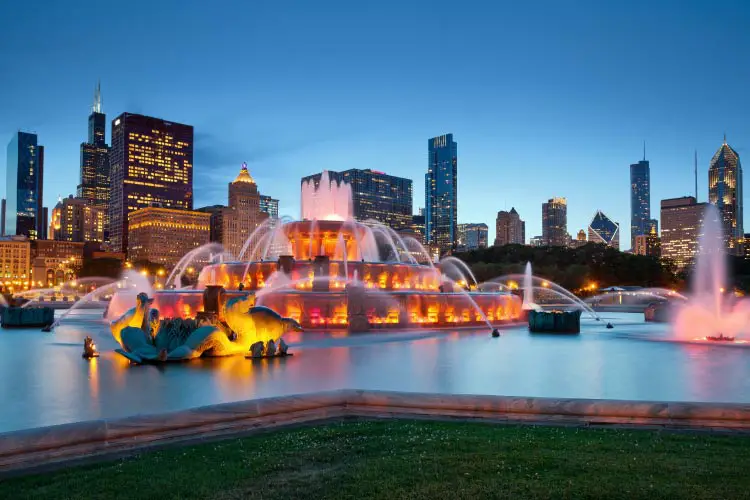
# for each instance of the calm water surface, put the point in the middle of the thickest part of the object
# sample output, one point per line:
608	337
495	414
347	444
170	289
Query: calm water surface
45	381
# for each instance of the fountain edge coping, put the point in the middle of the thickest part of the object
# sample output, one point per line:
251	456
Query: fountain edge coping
60	443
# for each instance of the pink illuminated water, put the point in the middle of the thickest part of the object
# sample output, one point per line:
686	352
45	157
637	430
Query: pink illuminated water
331	200
711	309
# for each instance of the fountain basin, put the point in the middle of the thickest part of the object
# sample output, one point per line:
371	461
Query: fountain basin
555	322
21	317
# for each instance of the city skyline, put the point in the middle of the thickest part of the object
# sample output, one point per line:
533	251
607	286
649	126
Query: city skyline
592	117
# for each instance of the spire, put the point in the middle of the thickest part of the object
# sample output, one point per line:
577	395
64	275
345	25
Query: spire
695	171
244	175
97	107
644	150
725	138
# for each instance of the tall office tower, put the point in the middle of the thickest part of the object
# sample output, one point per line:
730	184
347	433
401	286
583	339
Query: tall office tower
151	165
244	213
94	184
648	244
441	194
164	235
640	199
555	222
725	191
472	236
24	186
269	206
681	220
75	220
509	228
602	229
418	225
375	195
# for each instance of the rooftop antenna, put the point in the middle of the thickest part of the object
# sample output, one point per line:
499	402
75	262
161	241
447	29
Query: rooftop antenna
644	150
97	107
695	172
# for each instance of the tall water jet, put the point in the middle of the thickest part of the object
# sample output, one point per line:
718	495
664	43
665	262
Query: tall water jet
528	288
329	200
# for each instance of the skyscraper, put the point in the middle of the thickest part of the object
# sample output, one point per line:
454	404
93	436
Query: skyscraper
269	206
245	213
441	194
555	222
725	191
472	236
151	165
75	220
602	229
640	199
94	185
681	220
24	186
375	195
509	228
164	236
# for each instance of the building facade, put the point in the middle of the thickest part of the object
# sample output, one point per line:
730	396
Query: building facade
74	219
441	194
555	222
418	225
94	184
509	228
269	206
55	262
164	235
681	220
648	244
725	191
375	195
15	263
24	184
472	236
244	214
604	230
640	199
151	164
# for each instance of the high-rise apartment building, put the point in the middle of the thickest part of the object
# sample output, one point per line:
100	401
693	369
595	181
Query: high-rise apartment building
640	199
441	194
73	219
604	230
269	206
375	195
94	184
164	235
151	164
681	220
509	228
555	222
472	236
24	184
725	191
648	244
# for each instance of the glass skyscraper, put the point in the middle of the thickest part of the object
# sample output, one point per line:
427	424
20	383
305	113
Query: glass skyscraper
640	200
94	183
441	194
602	229
24	187
725	191
151	165
555	222
270	206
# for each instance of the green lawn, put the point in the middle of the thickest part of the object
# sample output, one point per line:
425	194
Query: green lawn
419	459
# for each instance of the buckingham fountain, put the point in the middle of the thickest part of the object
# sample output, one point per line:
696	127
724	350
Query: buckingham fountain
329	271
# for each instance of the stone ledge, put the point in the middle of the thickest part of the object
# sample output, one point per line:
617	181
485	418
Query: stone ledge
62	443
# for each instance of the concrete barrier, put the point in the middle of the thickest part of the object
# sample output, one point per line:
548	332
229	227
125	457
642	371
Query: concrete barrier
61	443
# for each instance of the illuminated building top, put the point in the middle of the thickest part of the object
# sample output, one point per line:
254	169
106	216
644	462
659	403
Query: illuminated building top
244	175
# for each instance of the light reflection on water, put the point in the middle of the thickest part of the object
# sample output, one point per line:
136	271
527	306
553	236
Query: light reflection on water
45	380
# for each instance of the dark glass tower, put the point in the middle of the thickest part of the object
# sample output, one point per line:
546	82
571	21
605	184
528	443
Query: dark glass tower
151	165
441	194
375	195
24	182
725	191
94	183
602	229
640	200
555	222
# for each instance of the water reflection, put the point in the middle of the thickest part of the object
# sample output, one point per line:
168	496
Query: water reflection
49	383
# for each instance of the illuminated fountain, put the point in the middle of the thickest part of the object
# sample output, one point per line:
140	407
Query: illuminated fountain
332	272
710	313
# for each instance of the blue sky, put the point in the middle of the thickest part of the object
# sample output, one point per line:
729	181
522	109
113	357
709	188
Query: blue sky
544	98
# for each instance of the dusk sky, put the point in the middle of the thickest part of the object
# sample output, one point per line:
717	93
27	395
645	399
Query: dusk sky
544	98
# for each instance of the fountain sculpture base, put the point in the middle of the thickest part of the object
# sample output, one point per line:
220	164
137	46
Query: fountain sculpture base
555	322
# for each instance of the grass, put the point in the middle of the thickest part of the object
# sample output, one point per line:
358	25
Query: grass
418	459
